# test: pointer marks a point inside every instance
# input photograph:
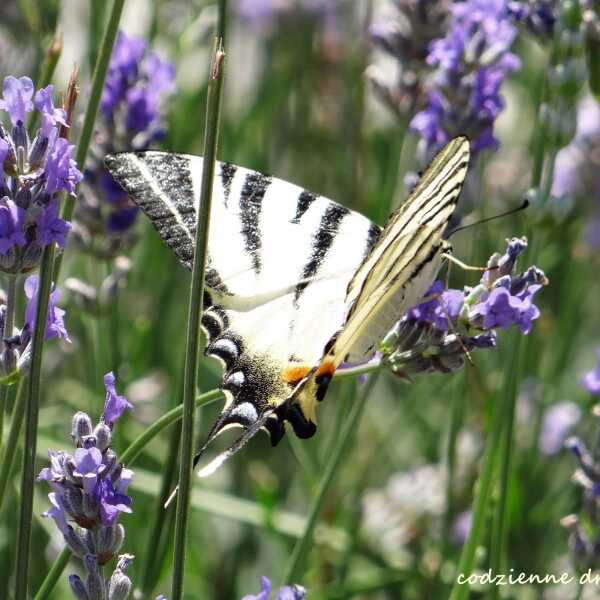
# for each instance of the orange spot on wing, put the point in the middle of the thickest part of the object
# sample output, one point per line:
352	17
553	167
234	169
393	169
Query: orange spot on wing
293	374
327	367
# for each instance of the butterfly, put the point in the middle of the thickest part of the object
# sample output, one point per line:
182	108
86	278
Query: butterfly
296	284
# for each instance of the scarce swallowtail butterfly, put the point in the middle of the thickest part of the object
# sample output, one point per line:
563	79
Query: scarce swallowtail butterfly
295	284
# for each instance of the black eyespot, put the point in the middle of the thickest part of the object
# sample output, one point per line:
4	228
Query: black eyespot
322	382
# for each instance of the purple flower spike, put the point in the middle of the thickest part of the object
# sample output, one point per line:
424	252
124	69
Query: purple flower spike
591	380
55	324
111	502
124	65
88	465
115	405
161	73
472	61
16	98
265	591
11	225
50	227
61	169
50	114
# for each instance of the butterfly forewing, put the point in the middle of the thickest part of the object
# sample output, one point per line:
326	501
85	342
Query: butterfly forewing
405	260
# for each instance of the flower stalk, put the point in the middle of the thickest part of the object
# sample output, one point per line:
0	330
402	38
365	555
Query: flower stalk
31	424
190	376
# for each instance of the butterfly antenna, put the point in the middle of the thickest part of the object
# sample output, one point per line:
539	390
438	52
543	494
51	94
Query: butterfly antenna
512	211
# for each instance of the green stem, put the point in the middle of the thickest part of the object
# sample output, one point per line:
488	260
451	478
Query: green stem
127	457
85	137
54	574
460	590
509	400
9	453
456	420
31	423
190	375
336	458
115	333
153	557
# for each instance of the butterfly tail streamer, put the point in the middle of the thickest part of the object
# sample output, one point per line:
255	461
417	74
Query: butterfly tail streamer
217	462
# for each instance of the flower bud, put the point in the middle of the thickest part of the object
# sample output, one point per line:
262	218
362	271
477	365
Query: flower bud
19	135
95	581
90	505
31	257
38	151
81	426
103	436
73	501
78	587
119	586
76	542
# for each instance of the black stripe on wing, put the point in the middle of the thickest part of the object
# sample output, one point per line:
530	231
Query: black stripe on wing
253	192
322	241
304	201
227	173
161	185
372	237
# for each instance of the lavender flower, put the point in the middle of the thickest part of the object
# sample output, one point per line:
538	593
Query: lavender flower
536	16
576	171
115	405
89	492
591	380
406	37
294	592
558	420
434	335
265	13
472	61
585	541
16	344
131	117
34	172
55	324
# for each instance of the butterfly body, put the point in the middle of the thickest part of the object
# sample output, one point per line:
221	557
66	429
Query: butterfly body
295	284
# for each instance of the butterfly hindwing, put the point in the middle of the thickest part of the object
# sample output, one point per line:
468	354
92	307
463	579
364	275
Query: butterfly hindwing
279	263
